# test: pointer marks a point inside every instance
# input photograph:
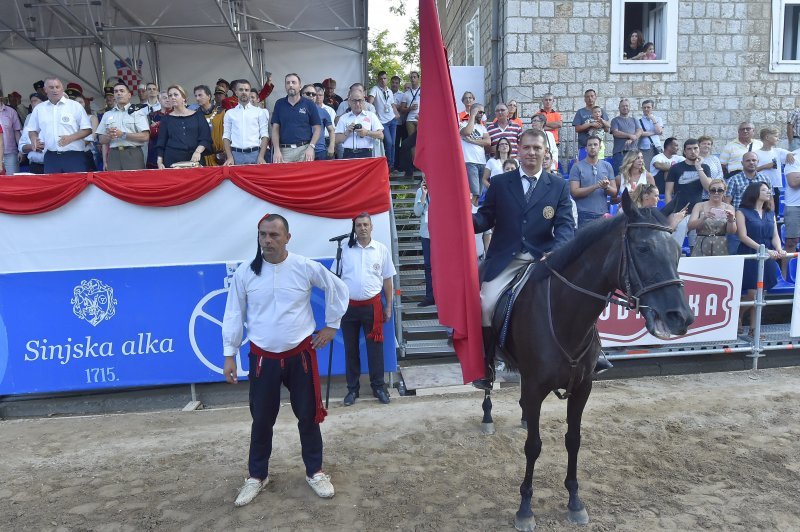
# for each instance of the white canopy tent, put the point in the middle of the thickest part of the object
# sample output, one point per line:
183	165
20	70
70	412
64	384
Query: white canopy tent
189	42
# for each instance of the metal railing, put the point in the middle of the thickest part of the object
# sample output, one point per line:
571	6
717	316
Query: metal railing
756	347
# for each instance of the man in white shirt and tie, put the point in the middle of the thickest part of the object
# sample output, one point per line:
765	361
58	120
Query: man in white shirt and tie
61	124
273	295
367	270
245	129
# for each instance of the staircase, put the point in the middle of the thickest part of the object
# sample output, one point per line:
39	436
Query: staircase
423	337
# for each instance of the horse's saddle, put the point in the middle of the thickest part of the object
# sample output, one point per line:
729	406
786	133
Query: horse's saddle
501	317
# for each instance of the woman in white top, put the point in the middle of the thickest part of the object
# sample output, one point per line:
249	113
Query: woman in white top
632	173
494	166
771	161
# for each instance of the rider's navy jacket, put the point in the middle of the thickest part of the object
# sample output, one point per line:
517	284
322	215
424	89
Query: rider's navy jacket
536	227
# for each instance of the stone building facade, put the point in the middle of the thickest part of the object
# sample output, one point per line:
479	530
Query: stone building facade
721	61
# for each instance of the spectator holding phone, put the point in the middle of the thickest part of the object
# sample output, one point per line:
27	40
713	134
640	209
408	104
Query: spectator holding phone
686	182
713	220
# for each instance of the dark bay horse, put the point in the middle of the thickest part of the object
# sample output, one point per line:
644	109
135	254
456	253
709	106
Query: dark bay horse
553	341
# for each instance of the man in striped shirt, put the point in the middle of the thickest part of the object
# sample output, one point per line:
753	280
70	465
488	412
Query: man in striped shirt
502	127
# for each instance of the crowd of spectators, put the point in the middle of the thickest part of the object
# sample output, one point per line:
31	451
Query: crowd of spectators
60	132
713	201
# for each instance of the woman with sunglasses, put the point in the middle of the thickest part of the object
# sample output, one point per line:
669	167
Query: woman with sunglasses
513	113
713	220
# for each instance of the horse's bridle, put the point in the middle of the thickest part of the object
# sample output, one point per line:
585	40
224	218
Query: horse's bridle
628	272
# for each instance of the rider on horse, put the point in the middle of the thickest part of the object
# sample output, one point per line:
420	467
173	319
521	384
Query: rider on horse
531	213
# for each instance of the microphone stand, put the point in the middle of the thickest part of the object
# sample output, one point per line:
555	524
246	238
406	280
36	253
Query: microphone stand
338	272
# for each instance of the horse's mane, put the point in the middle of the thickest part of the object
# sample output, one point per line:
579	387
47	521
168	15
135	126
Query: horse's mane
567	253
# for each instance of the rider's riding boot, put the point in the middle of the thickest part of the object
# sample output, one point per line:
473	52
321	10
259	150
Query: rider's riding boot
603	364
488	359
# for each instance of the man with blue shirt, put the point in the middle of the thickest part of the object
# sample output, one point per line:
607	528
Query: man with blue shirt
296	126
325	147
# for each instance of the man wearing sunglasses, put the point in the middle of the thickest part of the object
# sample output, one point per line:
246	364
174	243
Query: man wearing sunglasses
245	134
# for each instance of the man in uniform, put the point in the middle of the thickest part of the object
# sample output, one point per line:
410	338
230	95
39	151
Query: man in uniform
273	294
125	130
358	129
367	270
531	213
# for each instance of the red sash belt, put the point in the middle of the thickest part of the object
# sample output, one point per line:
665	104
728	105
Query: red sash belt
303	348
376	334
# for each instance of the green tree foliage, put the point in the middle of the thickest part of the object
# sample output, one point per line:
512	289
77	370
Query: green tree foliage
383	55
411	40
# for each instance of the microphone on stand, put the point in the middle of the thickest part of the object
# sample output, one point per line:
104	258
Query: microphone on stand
339	238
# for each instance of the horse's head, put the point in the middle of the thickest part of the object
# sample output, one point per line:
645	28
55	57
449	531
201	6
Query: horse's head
650	272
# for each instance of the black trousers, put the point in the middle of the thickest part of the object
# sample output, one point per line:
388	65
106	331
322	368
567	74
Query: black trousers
354	321
265	400
426	260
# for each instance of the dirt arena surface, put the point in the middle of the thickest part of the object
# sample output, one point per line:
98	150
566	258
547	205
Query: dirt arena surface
713	451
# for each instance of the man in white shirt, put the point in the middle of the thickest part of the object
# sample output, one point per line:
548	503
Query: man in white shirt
245	129
410	104
357	129
661	163
126	131
386	109
474	141
367	270
791	209
61	124
35	158
273	294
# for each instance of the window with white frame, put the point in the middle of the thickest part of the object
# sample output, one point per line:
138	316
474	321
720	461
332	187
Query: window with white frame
644	36
472	41
785	45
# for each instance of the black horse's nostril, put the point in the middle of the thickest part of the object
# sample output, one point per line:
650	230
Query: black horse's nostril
680	319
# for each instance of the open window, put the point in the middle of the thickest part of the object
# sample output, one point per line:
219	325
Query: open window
472	41
644	36
785	47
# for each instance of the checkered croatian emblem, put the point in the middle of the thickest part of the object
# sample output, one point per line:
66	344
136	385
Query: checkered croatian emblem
132	78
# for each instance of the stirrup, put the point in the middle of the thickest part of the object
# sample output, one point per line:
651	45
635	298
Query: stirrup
603	364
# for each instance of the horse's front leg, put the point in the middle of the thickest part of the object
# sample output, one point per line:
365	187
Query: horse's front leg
487	424
524	518
572	440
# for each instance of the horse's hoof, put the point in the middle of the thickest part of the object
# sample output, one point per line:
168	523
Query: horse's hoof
523	425
578	517
526	524
487	428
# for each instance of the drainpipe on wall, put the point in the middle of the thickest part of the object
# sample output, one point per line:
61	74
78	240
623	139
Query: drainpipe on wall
495	91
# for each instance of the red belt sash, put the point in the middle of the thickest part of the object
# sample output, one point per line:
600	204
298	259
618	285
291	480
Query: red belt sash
301	349
376	334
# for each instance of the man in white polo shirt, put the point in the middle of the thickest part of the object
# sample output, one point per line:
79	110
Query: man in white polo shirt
474	141
61	124
791	208
245	129
357	129
125	130
367	270
382	97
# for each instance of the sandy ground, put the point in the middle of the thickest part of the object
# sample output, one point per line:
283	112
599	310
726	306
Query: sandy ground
715	452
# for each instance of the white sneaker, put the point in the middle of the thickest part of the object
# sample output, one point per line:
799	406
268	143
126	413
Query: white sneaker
251	488
321	484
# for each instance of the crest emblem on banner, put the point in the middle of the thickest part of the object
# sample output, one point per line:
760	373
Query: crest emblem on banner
132	78
93	301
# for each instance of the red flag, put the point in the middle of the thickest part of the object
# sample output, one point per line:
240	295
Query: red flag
439	156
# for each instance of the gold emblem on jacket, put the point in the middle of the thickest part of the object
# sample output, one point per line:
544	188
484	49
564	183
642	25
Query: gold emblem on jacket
548	212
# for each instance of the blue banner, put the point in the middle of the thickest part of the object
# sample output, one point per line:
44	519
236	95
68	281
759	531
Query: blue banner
113	328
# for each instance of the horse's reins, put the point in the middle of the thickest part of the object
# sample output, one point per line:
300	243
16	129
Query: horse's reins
625	300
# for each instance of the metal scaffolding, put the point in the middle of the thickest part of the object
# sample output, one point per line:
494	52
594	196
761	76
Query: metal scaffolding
86	30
